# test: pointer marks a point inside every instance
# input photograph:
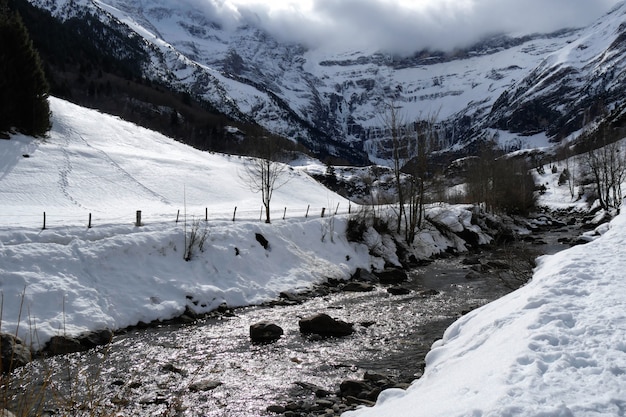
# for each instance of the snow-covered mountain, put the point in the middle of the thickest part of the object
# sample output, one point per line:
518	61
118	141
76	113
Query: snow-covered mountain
546	86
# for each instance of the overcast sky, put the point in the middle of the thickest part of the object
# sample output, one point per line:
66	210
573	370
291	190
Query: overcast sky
407	25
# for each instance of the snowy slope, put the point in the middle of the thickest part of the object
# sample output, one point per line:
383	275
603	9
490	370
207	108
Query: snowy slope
115	274
530	84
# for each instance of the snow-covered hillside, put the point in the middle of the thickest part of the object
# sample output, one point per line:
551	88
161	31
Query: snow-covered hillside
529	84
115	274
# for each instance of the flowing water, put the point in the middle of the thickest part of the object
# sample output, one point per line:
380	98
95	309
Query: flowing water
155	371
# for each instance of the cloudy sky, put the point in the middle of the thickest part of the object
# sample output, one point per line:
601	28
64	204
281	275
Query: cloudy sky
408	25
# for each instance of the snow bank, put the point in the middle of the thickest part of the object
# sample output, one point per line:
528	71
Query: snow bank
555	347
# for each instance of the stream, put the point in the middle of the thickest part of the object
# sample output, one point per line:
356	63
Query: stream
211	368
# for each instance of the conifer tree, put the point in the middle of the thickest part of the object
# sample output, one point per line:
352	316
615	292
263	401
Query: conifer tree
23	86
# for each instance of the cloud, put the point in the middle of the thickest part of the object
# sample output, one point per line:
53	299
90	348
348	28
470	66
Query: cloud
405	26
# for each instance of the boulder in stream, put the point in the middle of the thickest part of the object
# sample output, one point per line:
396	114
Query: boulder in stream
265	332
392	276
324	325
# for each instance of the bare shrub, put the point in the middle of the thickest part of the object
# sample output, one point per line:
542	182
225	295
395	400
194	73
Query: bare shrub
198	234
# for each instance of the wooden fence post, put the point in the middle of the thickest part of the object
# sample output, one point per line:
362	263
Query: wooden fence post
89	224
177	215
234	212
337	209
138	219
323	210
206	214
284	213
306	216
349	207
44	221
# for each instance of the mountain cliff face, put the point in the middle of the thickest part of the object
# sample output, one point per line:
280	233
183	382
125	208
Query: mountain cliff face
535	88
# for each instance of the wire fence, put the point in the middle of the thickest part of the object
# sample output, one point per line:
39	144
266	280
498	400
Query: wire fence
51	219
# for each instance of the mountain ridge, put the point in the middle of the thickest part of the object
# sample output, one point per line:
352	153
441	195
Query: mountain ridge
518	87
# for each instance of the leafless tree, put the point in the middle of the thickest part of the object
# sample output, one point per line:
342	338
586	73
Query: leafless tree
394	123
265	173
411	145
607	166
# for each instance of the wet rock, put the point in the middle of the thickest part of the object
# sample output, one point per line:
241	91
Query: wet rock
398	290
364	275
204	385
376	378
353	388
358	287
96	338
265	332
324	325
290	298
277	409
14	352
392	276
61	345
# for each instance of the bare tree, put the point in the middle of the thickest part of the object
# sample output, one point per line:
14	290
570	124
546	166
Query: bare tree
394	122
420	147
411	145
265	173
607	166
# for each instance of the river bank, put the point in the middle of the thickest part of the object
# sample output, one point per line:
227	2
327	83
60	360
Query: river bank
212	368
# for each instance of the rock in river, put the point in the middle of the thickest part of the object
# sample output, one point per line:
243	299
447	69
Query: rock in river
265	332
324	325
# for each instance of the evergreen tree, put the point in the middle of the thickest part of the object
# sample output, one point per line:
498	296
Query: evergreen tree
23	86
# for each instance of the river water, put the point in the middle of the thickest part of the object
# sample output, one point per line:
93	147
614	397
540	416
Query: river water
153	372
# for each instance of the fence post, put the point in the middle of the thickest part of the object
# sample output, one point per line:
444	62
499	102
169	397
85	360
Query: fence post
337	209
234	212
44	221
261	215
138	220
323	210
349	207
306	216
177	214
89	224
284	213
206	214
